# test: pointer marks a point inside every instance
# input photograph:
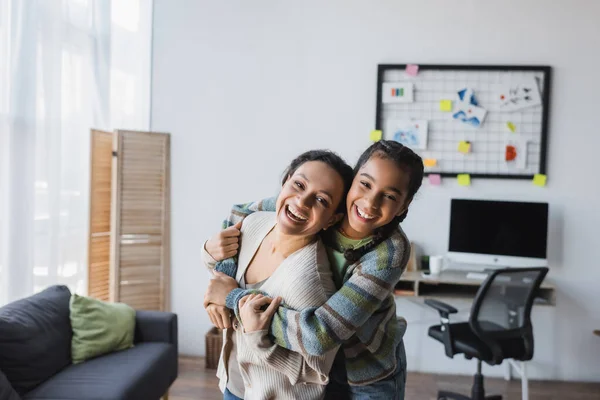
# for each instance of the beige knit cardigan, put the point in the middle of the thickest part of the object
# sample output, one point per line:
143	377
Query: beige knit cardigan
303	279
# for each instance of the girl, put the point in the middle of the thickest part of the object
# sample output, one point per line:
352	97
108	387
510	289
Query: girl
282	255
368	252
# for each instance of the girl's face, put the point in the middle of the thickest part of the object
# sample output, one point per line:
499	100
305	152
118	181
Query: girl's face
309	199
379	193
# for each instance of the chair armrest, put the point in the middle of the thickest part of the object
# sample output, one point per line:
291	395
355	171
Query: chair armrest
444	309
155	326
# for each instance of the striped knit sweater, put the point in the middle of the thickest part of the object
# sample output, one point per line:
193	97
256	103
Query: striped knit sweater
361	315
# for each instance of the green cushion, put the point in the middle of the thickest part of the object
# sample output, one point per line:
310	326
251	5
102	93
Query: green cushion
99	327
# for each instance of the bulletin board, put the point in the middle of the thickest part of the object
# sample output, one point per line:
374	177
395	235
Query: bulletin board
483	120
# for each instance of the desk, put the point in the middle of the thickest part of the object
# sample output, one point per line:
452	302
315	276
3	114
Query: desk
454	284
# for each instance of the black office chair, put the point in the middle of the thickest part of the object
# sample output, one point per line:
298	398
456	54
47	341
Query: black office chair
499	326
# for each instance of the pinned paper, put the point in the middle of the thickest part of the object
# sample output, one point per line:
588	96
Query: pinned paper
412	69
464	147
467	109
510	153
468	113
375	136
397	92
464	179
430	162
518	95
446	105
511	127
539	180
411	133
467	95
516	152
435	179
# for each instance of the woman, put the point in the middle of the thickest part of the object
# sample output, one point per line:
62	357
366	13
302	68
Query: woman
281	253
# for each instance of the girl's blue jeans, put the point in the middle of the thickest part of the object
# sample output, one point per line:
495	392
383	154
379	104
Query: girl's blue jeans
390	388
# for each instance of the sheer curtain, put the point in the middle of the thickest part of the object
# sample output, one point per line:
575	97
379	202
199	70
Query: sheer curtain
65	66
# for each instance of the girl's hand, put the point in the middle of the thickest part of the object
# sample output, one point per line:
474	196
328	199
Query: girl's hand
218	289
220	316
224	244
251	314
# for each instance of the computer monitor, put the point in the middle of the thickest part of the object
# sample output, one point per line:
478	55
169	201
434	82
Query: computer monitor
498	233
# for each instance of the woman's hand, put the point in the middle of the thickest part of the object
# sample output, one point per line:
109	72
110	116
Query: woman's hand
251	313
224	244
220	316
218	289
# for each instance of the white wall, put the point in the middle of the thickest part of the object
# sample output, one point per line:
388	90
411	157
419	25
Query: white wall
245	86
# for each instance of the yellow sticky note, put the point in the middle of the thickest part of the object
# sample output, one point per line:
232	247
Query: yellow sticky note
464	179
464	147
539	180
375	136
446	105
430	162
511	127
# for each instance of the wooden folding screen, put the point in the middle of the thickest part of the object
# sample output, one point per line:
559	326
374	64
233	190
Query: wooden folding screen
100	199
139	267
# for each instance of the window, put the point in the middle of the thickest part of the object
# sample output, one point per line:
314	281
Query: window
90	62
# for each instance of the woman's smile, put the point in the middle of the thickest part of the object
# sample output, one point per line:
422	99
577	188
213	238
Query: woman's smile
295	215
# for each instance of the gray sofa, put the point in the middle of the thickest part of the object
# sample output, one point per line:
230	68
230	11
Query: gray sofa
35	355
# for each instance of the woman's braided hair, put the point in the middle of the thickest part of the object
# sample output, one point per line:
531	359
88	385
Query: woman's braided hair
409	162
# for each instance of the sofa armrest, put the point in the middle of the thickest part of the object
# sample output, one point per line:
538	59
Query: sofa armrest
155	326
6	390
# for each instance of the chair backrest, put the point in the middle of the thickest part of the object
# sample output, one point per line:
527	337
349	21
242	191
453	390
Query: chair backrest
502	306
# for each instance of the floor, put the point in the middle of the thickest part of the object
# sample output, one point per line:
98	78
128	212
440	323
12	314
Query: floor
197	383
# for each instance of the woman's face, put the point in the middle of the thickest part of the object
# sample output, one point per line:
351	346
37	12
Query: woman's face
377	195
309	199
